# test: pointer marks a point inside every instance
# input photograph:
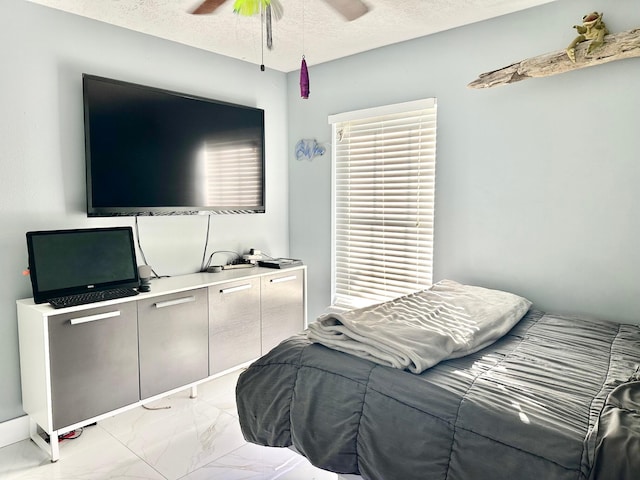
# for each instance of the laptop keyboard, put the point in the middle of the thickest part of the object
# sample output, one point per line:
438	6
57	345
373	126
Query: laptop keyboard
91	297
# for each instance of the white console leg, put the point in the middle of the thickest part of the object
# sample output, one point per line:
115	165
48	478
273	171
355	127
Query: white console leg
52	448
194	392
55	447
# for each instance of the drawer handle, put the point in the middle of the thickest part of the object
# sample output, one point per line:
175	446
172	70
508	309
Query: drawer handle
283	279
93	318
239	288
177	301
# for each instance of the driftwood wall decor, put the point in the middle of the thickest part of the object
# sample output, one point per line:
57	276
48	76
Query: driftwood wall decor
615	47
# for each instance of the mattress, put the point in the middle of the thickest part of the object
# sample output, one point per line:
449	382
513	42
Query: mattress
526	407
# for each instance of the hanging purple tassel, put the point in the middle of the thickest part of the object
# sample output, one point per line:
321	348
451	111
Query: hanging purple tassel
304	79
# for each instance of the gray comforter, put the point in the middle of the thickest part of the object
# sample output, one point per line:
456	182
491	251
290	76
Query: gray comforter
524	408
616	439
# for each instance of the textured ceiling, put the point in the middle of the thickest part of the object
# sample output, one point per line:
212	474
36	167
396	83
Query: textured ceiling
308	27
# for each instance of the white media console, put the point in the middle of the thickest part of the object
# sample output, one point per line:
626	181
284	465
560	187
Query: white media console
82	364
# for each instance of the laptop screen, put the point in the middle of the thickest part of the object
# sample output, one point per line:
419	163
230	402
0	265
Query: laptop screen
67	262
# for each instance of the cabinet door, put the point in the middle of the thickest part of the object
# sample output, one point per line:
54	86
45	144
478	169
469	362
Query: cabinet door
94	362
234	324
282	307
173	336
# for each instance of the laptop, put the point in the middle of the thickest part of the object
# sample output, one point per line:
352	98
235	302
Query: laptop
82	265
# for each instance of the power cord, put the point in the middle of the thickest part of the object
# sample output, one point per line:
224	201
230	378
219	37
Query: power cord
208	264
72	435
162	407
203	266
144	259
206	244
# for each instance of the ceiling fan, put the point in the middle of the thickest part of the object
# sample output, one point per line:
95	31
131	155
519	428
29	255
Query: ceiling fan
349	9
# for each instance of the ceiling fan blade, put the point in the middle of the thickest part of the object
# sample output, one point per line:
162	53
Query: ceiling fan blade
208	6
349	9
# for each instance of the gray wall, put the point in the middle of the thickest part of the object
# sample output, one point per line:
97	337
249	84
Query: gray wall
537	182
43	54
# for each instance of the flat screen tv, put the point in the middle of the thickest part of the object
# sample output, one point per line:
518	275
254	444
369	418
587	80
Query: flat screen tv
156	152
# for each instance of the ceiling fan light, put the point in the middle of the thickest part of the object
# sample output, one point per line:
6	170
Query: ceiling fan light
249	8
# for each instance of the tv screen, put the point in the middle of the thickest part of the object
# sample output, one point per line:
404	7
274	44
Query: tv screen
155	152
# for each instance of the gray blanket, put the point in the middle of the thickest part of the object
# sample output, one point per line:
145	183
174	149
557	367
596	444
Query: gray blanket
521	408
417	331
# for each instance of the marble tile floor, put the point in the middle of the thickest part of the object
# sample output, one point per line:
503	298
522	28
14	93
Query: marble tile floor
194	439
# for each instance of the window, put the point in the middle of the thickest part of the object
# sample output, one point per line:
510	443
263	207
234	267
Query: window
383	181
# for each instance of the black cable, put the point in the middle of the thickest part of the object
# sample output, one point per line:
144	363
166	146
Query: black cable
203	266
144	259
219	251
72	435
262	38
206	244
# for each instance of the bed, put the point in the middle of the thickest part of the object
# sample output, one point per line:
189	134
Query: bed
554	397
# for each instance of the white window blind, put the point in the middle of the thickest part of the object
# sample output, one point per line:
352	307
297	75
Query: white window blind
384	179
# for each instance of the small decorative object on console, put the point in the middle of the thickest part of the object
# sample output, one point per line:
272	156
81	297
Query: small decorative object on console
144	273
280	263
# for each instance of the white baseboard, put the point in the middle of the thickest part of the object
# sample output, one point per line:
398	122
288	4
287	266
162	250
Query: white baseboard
13	431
